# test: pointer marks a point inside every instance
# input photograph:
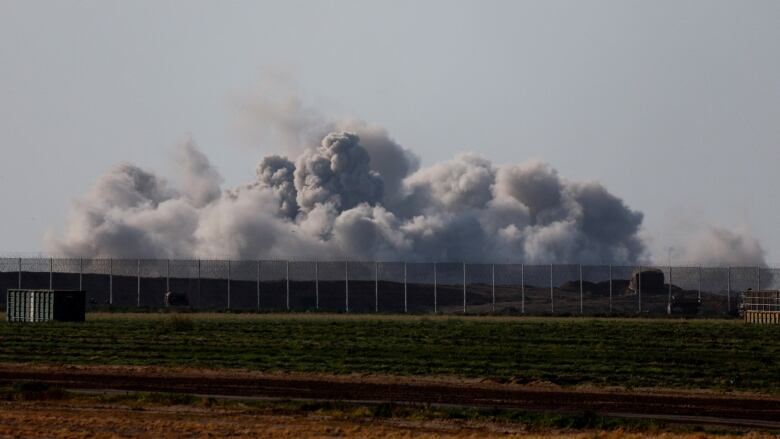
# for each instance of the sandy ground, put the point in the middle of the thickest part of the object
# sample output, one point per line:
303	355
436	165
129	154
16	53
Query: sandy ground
80	419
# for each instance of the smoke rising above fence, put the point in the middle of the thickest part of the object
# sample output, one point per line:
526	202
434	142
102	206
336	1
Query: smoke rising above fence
345	189
356	195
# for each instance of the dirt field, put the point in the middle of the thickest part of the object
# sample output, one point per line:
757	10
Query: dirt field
74	419
732	409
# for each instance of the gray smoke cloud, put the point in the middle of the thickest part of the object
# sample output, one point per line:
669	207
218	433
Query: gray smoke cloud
336	173
128	212
717	246
345	189
276	173
200	181
275	117
356	195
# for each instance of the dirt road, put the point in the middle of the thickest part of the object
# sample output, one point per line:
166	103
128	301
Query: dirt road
76	419
706	407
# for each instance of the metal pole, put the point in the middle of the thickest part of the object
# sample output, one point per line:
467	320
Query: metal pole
376	286
228	284
167	275
610	288
258	285
669	299
287	286
581	289
464	288
552	297
199	292
699	290
81	273
405	289
758	278
435	292
20	274
493	282
522	288
138	283
110	281
346	284
316	286
51	268
639	290
728	289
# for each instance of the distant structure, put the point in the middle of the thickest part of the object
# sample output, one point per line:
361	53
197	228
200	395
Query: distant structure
647	280
652	281
762	307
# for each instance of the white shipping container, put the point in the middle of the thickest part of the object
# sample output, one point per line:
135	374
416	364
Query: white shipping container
45	305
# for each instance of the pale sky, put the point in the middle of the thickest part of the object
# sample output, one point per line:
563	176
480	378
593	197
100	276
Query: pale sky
673	105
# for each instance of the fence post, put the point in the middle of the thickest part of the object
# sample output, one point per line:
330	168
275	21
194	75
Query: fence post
287	285
376	286
138	283
669	299
258	285
51	268
167	275
610	288
81	273
581	293
346	284
639	290
316	285
110	281
728	289
20	274
199	292
699	290
552	296
522	288
228	284
464	288
405	290
435	292
493	283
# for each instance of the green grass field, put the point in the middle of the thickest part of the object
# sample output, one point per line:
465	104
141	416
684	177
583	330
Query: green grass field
707	354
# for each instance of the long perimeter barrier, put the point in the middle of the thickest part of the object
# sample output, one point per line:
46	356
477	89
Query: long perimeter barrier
394	287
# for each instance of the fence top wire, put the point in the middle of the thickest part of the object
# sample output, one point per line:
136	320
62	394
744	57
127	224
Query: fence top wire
44	262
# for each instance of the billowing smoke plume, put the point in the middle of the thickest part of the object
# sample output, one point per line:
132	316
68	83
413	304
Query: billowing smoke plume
345	189
336	174
357	195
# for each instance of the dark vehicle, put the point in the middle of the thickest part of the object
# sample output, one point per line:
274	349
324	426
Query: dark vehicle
684	302
176	299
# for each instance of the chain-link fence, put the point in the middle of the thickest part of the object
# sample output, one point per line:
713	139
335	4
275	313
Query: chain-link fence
393	287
